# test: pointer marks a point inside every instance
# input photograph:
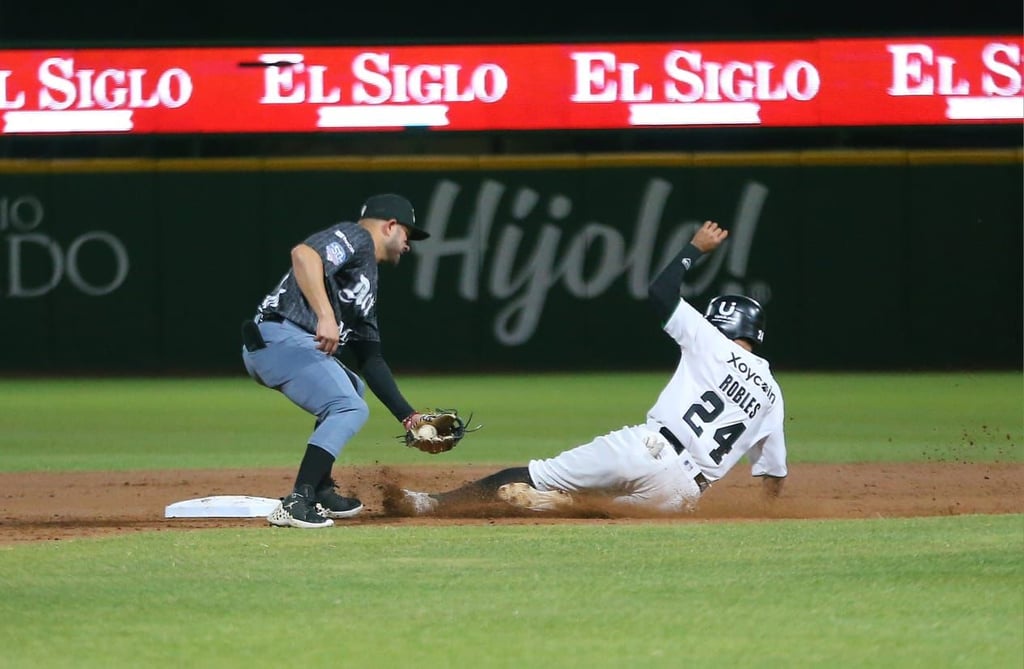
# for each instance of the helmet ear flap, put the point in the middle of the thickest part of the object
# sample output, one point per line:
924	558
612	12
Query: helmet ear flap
737	317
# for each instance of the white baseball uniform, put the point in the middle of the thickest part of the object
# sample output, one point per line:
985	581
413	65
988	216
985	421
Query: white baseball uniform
721	403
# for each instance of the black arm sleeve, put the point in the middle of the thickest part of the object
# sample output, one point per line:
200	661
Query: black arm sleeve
663	293
378	377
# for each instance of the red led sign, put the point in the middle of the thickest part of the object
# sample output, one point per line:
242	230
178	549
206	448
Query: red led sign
852	82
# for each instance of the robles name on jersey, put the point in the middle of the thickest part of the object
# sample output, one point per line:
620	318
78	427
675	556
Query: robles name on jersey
735	387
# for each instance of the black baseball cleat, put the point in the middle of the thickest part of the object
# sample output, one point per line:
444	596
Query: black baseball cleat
299	509
332	505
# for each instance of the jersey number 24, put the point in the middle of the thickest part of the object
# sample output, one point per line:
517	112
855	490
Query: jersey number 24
707	412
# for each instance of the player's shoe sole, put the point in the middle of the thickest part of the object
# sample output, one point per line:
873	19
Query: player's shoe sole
418	503
330	504
347	513
526	496
280	517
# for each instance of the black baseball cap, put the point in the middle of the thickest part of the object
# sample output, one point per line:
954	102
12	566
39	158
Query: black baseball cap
389	205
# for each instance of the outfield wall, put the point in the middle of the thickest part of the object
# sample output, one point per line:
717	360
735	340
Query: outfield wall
864	260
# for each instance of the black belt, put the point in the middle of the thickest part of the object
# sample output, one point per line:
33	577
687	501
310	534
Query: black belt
272	318
701	480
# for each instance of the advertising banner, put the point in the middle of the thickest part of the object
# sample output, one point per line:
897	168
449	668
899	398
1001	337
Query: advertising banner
499	87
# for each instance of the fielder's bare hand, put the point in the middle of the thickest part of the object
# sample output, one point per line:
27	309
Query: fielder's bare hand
709	236
327	335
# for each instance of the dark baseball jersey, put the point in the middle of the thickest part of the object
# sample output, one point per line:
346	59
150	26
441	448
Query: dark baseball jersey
350	275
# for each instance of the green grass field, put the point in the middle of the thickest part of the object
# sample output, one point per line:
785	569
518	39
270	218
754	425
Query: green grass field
927	592
117	424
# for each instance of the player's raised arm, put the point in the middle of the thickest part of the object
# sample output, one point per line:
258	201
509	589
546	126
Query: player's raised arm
663	292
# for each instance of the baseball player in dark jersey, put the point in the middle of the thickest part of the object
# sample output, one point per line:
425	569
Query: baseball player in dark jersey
720	405
326	301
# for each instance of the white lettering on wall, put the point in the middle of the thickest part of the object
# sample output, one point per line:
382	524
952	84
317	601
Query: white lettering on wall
287	80
1002	69
381	81
692	78
917	69
20	217
64	87
586	263
599	78
6	99
687	77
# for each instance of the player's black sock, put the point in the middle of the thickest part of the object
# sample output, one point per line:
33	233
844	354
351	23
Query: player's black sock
316	466
485	488
510	475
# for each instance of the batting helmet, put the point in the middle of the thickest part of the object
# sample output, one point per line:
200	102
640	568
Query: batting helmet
737	317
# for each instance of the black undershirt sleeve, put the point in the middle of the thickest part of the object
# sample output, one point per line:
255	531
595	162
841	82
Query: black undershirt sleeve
663	292
378	377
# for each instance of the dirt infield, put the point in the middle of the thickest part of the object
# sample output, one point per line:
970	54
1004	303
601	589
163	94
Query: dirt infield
59	506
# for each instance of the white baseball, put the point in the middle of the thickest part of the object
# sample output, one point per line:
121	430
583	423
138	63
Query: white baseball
426	432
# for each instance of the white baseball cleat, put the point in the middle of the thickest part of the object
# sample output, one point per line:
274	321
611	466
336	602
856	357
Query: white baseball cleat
526	496
419	503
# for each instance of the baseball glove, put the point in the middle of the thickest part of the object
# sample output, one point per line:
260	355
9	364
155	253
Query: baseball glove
434	431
